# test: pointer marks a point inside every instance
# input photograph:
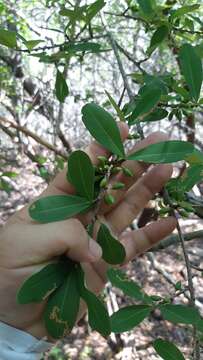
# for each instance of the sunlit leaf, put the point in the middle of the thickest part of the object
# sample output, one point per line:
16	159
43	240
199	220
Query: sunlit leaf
8	38
31	44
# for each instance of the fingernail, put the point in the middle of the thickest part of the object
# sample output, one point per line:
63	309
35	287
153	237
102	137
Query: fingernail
94	249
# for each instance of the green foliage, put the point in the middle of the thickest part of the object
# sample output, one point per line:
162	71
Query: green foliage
128	317
161	93
40	285
97	313
113	252
181	314
57	208
191	66
62	307
81	174
164	152
61	87
103	128
167	350
8	38
158	37
129	287
150	95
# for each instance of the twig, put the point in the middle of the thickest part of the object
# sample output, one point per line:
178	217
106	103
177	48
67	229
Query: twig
166	275
37	138
120	65
174	240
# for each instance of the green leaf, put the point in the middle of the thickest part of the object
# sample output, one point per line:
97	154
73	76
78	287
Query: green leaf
61	87
149	98
167	350
129	287
4	185
97	313
116	107
85	13
8	38
196	158
81	174
199	49
164	152
10	174
62	307
93	9
158	37
31	44
128	317
103	128
113	252
98	316
74	15
184	10
57	207
199	325
41	284
156	115
180	314
83	47
193	175
147	6
191	67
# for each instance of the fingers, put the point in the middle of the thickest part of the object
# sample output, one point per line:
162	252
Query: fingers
137	197
137	168
47	241
60	183
139	241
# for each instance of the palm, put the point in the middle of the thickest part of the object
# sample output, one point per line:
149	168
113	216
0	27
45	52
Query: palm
33	245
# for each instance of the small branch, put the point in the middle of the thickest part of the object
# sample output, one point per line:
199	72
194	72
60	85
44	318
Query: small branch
29	133
174	240
165	274
121	68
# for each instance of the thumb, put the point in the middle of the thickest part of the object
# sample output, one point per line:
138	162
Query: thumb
37	243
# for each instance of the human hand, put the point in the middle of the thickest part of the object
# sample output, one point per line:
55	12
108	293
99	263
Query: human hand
26	246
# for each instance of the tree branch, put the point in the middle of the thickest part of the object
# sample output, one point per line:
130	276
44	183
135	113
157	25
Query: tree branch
37	138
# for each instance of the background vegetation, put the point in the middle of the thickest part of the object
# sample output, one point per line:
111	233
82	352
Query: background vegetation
55	56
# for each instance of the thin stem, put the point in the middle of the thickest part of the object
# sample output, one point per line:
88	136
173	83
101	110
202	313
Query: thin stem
121	68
